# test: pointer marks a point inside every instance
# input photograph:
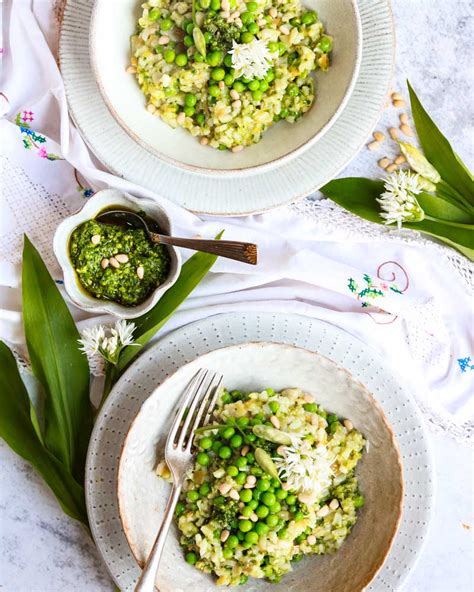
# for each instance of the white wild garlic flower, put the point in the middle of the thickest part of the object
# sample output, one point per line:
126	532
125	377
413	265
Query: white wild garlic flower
107	342
398	202
251	60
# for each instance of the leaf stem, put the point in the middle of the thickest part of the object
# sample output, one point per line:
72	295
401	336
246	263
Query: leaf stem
110	378
446	190
449	223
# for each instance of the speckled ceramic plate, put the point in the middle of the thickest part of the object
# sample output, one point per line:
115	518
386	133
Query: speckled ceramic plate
181	347
249	367
228	195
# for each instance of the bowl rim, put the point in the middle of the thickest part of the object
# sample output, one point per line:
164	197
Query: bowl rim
120	468
281	160
88	211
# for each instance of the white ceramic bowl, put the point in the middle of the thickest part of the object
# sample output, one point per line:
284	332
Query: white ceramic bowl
97	203
142	496
110	55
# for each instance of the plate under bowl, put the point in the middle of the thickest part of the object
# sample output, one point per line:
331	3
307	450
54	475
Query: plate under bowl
142	495
110	56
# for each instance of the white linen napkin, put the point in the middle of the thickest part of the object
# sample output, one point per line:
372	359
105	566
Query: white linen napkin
403	299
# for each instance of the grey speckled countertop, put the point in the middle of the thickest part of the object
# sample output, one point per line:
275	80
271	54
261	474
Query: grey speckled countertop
43	551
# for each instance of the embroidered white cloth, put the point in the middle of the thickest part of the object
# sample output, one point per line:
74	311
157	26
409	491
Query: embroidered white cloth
404	296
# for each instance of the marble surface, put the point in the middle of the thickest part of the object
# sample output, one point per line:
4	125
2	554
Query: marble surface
43	551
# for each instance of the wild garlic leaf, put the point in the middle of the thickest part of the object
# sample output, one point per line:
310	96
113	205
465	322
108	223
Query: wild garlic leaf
439	152
199	41
265	462
440	207
57	363
17	429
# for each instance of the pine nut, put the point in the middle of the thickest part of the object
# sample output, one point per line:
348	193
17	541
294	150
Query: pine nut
224	535
334	504
237	148
234	94
251	480
131	70
306	498
285	30
121	258
383	163
233	494
254	517
140	272
163	40
238	22
379	136
225	5
204	141
406	129
261	22
275	421
311	540
391	168
273	12
181	118
151	108
373	146
237	104
281	450
221	84
324	511
224	488
225	14
404	118
235	15
308	399
400	159
397	96
104	263
114	263
95	240
398	104
245	450
393	133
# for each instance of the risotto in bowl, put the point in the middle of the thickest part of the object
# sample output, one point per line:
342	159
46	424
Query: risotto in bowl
226	85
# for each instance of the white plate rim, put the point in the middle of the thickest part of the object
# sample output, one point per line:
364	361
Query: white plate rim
416	545
280	186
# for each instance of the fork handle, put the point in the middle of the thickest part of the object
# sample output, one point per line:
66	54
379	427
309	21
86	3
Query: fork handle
146	582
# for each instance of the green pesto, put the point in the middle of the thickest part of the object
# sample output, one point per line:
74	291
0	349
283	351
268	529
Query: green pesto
122	284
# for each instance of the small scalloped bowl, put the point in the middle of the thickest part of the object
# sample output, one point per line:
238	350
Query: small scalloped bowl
101	200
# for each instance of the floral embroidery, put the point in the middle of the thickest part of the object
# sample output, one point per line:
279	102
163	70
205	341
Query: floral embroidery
32	140
371	289
85	191
465	364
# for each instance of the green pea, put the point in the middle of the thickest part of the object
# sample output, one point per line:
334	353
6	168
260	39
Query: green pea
229	79
181	60
218	74
252	6
203	459
359	501
254	85
298	516
205	488
192	495
333	427
246	37
190	100
293	90
274	406
292	509
257	95
191	558
243	422
241	478
214	90
169	56
281	47
299	539
241	462
205	4
325	45
270	76
272	520
250	437
245	495
225	452
253	28
332	418
189	28
180	507
257	471
232	471
251	537
232	542
284	113
236	441
228	61
310	407
245	525
240	535
246	512
283	533
281	494
207	36
215	5
219	500
205	443
256	494
250	457
216	446
273	46
154	14
214	59
166	24
275	482
227	553
294	22
262	511
308	18
226	398
261	528
247	17
246	545
199	58
268	498
188	41
275	508
263	485
253	503
227	433
236	395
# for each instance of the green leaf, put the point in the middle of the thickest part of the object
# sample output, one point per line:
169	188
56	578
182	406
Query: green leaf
199	41
439	152
17	429
357	195
57	363
192	272
440	207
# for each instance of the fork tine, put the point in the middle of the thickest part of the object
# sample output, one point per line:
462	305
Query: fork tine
212	387
191	390
213	402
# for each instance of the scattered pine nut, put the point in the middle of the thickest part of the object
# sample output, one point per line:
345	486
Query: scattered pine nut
324	511
245	450
181	118
234	94
104	263
234	494
373	146
383	163
308	399
225	15
140	272
396	96
121	258
224	488
348	425
131	70
398	104
334	504
275	421
237	148
406	129
400	159
95	240
224	535
114	263
404	118
311	540
254	517
273	12
261	22
225	5
238	22
163	40
391	168
221	84
393	133
285	30
204	141
379	136
237	104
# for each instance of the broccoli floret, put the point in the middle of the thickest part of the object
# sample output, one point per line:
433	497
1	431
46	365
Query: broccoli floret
222	33
225	514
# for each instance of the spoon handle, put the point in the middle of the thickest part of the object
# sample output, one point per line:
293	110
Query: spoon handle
245	252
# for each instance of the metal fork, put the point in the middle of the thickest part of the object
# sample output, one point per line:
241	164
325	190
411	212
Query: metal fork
195	410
